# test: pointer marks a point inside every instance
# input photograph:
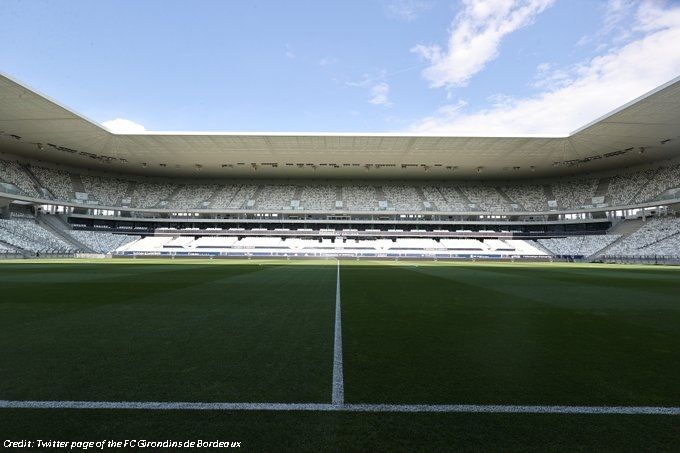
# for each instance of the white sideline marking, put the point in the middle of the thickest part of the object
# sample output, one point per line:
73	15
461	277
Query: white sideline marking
338	395
282	407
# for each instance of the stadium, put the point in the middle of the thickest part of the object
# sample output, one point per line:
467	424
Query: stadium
607	192
339	291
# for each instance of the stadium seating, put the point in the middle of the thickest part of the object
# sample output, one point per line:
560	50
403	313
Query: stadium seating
240	198
582	246
27	235
12	173
446	198
486	198
102	242
150	194
58	182
359	198
108	192
576	193
192	196
402	198
623	188
318	197
634	186
664	178
530	197
279	246
658	236
275	197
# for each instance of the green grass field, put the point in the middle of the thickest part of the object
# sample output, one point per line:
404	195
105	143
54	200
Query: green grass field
413	333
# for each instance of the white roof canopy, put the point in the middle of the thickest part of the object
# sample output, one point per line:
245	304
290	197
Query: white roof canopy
34	126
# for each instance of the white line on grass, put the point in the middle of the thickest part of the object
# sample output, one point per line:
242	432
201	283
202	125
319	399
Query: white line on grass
338	396
282	407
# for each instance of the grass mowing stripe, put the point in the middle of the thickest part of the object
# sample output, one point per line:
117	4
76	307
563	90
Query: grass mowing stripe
216	336
338	380
448	336
317	407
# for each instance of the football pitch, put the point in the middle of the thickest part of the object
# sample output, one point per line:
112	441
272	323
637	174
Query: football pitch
355	355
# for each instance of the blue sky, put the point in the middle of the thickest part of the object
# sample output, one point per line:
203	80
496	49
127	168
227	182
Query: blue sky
494	67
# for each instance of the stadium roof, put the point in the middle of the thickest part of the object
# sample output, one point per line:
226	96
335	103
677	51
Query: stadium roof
32	125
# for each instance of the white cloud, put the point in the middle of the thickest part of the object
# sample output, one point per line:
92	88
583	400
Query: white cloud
123	126
615	27
327	61
475	37
652	15
616	12
289	52
377	86
549	77
582	92
380	94
406	10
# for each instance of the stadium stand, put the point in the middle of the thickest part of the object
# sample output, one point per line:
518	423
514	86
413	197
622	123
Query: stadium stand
576	193
279	246
665	178
359	198
274	197
403	198
102	242
27	235
529	197
193	196
578	246
148	194
318	197
486	198
12	173
570	193
242	196
56	181
106	191
447	198
623	188
221	198
657	236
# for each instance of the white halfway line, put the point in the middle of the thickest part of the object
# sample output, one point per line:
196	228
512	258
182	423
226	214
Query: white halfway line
283	407
338	394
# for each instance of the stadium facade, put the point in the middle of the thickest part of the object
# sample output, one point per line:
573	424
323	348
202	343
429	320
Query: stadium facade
610	190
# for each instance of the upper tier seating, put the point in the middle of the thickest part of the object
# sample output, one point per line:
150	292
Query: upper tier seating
192	196
576	193
318	198
623	188
359	198
273	197
446	198
12	173
486	198
665	178
150	194
531	197
58	182
106	191
570	193
403	198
